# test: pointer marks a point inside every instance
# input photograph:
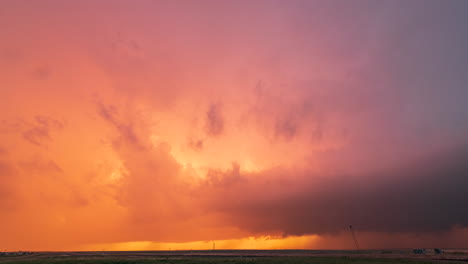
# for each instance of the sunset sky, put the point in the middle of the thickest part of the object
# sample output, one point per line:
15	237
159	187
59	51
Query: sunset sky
141	125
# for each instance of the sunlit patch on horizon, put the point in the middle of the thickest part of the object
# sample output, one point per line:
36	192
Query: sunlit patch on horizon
261	242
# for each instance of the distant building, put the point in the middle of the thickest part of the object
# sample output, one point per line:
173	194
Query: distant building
438	251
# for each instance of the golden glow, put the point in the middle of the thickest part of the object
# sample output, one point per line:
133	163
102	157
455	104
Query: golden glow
264	242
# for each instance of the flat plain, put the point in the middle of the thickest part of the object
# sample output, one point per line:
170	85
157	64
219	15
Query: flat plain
238	257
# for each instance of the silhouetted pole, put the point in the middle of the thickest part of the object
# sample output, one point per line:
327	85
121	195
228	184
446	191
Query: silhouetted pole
354	236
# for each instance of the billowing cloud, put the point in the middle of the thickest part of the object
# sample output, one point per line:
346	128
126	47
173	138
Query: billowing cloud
402	199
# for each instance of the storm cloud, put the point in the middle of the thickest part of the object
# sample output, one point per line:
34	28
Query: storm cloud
173	122
426	195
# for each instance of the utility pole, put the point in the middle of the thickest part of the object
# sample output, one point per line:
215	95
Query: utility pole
354	236
214	246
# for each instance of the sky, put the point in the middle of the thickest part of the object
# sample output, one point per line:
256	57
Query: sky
143	125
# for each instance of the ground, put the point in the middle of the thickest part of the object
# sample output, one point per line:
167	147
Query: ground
236	257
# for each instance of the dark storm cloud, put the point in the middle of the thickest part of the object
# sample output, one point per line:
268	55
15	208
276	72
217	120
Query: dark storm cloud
428	195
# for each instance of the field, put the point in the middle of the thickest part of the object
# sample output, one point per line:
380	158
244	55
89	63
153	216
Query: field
238	257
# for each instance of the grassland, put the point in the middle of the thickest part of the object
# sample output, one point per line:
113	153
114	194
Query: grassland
128	259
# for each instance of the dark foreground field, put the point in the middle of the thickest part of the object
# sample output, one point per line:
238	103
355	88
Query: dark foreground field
237	257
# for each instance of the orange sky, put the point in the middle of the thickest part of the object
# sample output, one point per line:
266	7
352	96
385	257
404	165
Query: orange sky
162	124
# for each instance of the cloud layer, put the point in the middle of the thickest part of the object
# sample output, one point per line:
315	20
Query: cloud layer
175	123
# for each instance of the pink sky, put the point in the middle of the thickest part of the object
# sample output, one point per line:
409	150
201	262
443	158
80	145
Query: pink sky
257	124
